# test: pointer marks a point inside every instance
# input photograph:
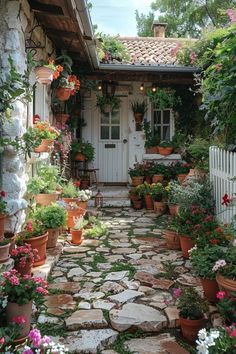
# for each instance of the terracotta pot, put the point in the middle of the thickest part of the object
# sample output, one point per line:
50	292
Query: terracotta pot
53	235
83	205
63	93
165	151
173	209
2	224
186	244
148	179
84	183
45	199
40	244
45	146
181	177
157	179
138	118
172	240
79	157
137	204
194	172
190	328
229	285
15	310
71	214
12	237
136	181
70	200
152	150
159	208
61	118
210	288
76	236
149	202
44	75
4	252
27	270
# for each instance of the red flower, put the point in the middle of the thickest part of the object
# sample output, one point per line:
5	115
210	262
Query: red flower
218	229
214	241
36	118
3	194
226	200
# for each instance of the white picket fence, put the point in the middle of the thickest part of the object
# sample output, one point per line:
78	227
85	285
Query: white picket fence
222	170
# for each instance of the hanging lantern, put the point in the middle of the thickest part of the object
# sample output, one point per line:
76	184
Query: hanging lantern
98	200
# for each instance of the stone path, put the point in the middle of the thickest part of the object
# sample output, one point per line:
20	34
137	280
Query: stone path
113	294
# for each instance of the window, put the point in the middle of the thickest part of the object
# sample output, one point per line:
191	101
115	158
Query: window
162	124
110	126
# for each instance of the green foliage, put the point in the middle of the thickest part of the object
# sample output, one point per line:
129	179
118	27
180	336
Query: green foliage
150	139
144	24
191	305
159	169
85	148
98	228
165	144
46	181
158	192
111	48
69	190
225	306
164	98
136	171
13	86
108	102
203	260
198	152
51	216
139	107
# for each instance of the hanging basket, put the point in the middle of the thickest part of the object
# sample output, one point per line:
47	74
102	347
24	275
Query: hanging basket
63	93
45	146
44	75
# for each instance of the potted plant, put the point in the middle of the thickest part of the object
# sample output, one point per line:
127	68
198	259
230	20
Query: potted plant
46	133
108	103
83	197
82	151
24	257
164	98
192	308
77	230
136	174
144	192
136	201
173	200
44	185
67	86
151	141
3	213
158	194
171	236
203	260
158	172
226	269
225	305
4	250
73	211
69	192
34	233
139	109
47	71
53	218
181	169
21	292
165	148
198	154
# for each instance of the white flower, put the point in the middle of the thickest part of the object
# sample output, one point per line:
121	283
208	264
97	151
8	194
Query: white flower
215	334
202	334
202	347
219	264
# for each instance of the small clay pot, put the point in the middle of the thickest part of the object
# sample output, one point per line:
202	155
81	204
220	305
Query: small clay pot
186	244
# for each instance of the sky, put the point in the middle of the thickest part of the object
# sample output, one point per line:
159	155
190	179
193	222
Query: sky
118	16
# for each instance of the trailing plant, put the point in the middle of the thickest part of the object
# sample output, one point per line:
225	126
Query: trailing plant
110	47
83	147
112	102
52	216
164	98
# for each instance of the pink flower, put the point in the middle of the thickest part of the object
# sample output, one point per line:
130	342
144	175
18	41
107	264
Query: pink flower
221	295
19	320
233	333
35	337
27	351
218	67
2	340
41	290
231	15
177	292
46	339
234	243
192	56
14	280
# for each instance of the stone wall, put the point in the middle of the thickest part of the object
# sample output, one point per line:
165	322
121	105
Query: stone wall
16	22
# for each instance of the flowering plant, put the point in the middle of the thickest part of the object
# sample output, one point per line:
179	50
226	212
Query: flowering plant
217	341
84	195
158	192
3	203
62	144
45	130
24	254
71	81
31	229
226	306
37	343
137	170
190	304
50	63
181	168
188	219
79	223
227	264
22	290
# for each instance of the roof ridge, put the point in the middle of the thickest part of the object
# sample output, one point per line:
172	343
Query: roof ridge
166	39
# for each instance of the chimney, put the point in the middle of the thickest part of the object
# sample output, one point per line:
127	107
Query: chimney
159	29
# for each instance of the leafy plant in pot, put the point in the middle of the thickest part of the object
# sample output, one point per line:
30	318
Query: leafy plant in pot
139	109
198	154
165	148
82	151
21	292
83	197
46	133
158	194
136	174
158	172
144	192
108	103
181	170
24	257
69	192
77	230
3	213
4	250
46	71
192	308
151	141
53	218
136	201
171	236
203	260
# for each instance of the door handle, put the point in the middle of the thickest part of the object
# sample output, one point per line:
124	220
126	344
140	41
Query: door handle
125	141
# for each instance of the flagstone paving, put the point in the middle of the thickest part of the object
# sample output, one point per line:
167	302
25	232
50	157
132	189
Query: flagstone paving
113	294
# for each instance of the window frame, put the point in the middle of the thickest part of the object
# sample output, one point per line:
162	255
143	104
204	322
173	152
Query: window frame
110	125
172	122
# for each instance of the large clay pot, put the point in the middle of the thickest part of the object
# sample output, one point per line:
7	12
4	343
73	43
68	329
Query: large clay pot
45	199
210	288
12	237
15	310
181	177
194	172
173	209
136	181
4	252
190	328
159	208
172	240
229	285
26	270
152	150
53	235
2	224
148	179
137	204
71	214
70	200
40	244
63	93
165	151
61	118
157	179
45	146
80	157
186	244
76	236
44	75
149	202
82	204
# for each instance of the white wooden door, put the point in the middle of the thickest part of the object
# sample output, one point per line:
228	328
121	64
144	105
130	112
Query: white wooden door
113	145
